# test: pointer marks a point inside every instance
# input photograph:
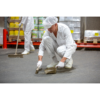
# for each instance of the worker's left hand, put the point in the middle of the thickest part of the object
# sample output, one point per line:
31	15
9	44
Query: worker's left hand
39	64
60	65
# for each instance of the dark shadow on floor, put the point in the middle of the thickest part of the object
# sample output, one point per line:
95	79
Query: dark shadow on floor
65	70
42	73
92	49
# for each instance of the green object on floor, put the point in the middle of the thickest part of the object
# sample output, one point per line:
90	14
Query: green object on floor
50	70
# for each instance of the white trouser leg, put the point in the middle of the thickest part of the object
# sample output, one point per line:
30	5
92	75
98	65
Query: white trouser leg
62	50
50	45
27	37
31	45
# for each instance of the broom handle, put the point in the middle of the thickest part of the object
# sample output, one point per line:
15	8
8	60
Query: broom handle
17	41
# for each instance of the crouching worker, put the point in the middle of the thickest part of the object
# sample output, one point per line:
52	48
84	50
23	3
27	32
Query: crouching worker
57	39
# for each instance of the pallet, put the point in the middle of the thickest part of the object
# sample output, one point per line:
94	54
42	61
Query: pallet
40	39
13	38
37	40
94	40
1	45
78	41
13	29
13	21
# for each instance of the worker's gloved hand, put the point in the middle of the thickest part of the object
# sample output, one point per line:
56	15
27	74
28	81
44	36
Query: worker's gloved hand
19	24
60	65
39	64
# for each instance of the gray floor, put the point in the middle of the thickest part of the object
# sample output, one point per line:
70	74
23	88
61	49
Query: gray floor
86	68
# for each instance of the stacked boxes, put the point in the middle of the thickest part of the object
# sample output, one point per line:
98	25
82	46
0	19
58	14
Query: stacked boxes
35	30
38	30
11	25
21	33
15	18
89	35
41	27
34	34
35	20
74	24
41	34
14	25
11	33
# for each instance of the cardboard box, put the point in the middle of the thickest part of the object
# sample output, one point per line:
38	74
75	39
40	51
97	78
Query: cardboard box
34	34
90	35
76	36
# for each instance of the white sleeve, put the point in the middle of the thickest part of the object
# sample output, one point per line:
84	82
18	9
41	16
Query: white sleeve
41	47
23	20
68	37
69	42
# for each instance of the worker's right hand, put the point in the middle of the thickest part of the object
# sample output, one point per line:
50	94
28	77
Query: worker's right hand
39	64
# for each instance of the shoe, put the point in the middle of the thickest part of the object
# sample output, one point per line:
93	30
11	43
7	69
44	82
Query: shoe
52	65
32	50
69	64
25	52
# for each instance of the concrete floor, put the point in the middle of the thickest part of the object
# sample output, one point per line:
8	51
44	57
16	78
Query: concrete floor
86	68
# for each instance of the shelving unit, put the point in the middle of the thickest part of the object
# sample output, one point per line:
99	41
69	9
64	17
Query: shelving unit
13	28
74	23
92	34
37	40
38	30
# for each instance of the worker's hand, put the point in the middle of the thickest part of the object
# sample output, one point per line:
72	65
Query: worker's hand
60	65
19	24
39	64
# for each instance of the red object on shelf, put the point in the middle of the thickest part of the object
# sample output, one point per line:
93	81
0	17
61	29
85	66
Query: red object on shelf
22	43
5	32
79	45
88	45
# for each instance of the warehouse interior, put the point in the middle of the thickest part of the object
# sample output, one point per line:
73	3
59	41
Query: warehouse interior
86	69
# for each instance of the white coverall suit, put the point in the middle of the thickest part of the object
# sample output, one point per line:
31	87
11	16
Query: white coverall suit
63	45
28	26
